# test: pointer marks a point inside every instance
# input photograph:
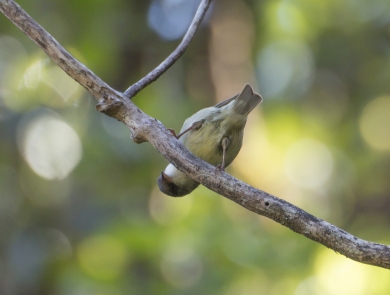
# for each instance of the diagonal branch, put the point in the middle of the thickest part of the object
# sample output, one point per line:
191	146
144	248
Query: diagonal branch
174	56
145	128
53	49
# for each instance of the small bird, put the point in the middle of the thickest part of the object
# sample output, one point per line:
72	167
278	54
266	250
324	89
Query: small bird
213	134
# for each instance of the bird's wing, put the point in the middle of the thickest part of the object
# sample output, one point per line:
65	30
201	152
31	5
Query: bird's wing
225	102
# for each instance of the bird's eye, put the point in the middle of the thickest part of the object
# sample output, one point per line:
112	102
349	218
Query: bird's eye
171	186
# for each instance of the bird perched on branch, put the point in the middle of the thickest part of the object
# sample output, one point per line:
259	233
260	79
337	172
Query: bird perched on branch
213	134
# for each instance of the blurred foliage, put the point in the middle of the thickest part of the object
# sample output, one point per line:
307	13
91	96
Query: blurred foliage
80	212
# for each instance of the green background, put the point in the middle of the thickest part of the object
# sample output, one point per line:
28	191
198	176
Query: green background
80	212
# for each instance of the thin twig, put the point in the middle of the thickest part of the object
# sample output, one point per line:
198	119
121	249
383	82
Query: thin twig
174	56
145	128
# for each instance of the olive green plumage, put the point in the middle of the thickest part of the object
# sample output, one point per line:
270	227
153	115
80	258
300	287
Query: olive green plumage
225	120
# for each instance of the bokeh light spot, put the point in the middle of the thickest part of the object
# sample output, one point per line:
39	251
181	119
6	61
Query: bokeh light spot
290	18
102	257
285	65
181	267
60	83
50	146
375	123
331	268
308	163
171	18
32	75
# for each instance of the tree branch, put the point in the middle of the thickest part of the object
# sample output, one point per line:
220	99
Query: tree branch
53	49
145	128
174	56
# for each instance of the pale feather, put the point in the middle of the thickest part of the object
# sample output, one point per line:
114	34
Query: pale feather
226	119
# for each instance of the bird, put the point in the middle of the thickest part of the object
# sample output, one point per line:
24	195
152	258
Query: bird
213	134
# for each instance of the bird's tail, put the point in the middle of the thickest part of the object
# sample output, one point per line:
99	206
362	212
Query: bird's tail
246	101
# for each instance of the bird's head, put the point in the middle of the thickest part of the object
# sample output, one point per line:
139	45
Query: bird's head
170	188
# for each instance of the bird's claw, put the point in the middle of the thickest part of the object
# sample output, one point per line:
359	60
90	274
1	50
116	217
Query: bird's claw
220	167
172	132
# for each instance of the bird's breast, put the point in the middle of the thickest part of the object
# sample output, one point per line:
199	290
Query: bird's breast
205	143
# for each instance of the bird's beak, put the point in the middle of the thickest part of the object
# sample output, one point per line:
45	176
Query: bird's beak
166	177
